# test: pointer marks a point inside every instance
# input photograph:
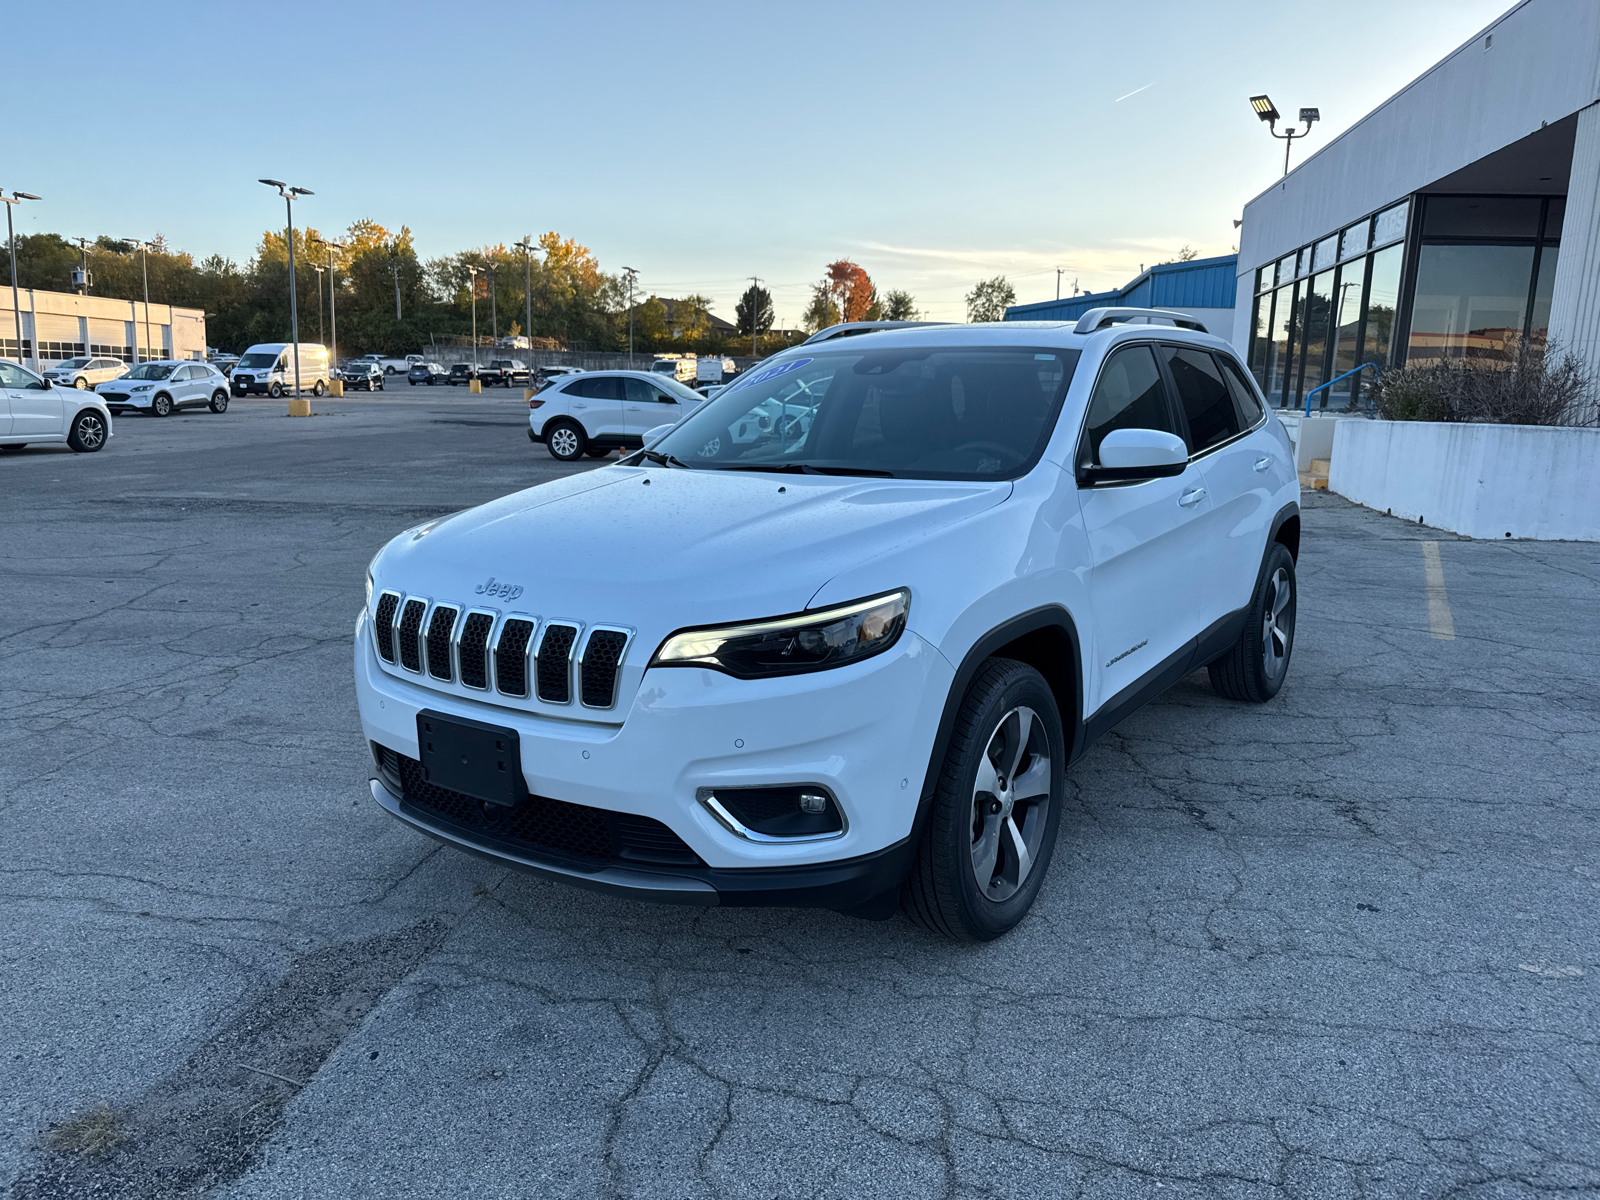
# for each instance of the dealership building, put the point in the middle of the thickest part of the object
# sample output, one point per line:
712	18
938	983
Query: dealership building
1458	219
61	325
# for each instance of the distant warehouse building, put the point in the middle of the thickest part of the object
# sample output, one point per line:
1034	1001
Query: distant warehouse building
1201	287
61	325
1459	218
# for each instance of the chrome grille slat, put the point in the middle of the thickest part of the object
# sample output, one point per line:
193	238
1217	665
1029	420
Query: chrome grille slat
409	629
511	655
553	671
441	633
600	665
383	624
472	649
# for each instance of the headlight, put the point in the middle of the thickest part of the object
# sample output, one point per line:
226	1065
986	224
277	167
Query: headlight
813	641
143	387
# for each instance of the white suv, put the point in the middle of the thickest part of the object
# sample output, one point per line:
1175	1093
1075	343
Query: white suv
84	373
845	660
596	412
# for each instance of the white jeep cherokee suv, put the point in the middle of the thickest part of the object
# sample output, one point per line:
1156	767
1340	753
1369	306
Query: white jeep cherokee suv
835	637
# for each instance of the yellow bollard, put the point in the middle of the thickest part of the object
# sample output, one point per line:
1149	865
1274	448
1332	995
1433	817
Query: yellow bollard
475	387
299	406
336	387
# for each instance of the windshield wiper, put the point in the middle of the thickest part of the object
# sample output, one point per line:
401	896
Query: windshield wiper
666	460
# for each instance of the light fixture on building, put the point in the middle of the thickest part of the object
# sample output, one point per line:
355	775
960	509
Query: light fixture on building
1268	112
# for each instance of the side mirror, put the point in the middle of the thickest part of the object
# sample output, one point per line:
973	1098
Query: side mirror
1128	454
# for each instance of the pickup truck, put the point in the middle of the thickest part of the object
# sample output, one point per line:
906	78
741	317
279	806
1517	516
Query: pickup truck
503	372
392	366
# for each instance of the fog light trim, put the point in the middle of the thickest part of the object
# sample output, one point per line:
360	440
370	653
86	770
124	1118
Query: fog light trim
708	799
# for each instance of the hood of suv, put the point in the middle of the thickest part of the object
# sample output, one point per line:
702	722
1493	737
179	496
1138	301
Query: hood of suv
660	549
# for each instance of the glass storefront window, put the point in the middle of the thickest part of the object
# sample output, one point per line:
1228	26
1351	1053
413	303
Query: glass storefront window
1539	326
1260	341
1553	219
1318	311
1391	224
1263	278
1324	253
1353	241
1382	299
1346	328
1286	268
1469	302
1280	343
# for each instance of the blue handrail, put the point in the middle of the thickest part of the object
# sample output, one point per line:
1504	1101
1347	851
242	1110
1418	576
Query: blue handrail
1331	382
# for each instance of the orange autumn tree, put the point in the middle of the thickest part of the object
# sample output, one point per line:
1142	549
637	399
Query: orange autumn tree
852	290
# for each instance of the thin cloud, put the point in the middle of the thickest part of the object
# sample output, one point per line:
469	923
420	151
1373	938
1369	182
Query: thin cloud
1135	92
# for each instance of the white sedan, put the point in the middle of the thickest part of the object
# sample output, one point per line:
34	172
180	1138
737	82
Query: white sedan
85	373
32	409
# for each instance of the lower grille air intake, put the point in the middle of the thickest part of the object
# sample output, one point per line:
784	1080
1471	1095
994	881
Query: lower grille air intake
592	836
440	626
511	656
410	630
383	625
475	649
554	671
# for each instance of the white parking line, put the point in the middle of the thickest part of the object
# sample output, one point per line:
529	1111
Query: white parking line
1440	623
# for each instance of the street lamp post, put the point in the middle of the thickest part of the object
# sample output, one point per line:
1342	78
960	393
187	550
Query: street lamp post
12	201
1268	112
290	195
632	275
494	308
319	269
526	246
333	302
472	282
144	263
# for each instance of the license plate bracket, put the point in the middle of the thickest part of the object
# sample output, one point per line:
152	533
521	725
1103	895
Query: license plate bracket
479	760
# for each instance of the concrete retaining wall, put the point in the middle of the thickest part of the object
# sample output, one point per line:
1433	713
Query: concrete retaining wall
1486	481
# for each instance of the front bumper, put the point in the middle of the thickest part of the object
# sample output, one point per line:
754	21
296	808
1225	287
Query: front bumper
841	884
864	732
123	404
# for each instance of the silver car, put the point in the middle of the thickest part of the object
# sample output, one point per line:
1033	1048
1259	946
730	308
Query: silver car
85	373
159	388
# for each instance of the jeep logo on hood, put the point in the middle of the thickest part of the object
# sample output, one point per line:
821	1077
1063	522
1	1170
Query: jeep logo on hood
506	591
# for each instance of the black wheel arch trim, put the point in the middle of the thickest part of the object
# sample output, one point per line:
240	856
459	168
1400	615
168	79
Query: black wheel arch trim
1045	617
1288	512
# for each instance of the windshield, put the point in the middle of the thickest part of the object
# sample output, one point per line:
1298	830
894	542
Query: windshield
150	371
258	360
967	412
72	364
668	367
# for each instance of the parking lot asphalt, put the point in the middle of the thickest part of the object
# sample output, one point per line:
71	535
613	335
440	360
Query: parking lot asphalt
1343	944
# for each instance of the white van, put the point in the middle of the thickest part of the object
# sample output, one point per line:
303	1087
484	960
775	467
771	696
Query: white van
269	367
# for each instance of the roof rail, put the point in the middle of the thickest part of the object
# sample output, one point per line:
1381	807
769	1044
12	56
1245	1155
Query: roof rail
852	328
1099	318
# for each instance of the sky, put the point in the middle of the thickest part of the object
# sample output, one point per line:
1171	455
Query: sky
935	144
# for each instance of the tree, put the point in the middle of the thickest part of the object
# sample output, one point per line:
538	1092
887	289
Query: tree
691	317
650	321
755	305
822	311
851	289
988	301
1187	254
899	306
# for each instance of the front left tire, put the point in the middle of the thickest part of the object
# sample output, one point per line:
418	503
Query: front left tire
88	432
81	384
161	405
996	808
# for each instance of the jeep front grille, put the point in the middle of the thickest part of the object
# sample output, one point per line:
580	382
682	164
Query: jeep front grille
440	628
514	655
383	624
554	672
410	628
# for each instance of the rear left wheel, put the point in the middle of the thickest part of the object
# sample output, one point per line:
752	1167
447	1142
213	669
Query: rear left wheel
565	441
996	808
219	401
1255	668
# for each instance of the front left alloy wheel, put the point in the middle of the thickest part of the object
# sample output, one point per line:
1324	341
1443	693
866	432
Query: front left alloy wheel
996	808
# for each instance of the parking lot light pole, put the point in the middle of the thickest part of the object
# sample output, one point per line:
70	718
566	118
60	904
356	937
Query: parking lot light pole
297	406
333	303
1268	112
12	201
494	309
144	260
526	246
319	269
632	275
472	284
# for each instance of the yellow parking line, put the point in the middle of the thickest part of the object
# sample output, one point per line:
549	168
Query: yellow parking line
1440	623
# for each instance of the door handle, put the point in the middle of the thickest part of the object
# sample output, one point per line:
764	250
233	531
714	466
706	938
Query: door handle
1263	463
1192	497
